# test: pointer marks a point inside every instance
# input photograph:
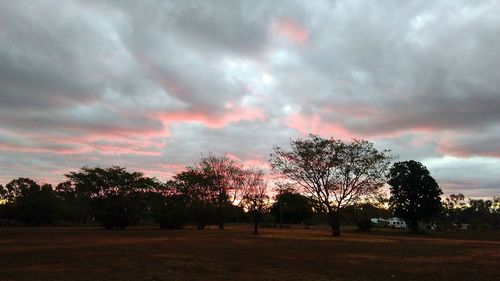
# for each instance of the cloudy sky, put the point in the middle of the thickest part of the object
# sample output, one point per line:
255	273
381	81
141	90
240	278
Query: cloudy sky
150	86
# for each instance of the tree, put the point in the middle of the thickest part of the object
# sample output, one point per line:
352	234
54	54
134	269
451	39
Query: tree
333	173
291	207
225	179
415	195
75	207
453	207
173	211
109	194
482	214
30	203
15	187
255	195
202	200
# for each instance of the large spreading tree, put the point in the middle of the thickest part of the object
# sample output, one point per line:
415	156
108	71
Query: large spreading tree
112	195
415	195
333	173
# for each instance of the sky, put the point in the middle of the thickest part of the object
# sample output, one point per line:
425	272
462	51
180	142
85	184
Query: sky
152	85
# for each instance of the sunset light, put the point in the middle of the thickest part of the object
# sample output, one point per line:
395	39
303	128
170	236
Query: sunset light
267	139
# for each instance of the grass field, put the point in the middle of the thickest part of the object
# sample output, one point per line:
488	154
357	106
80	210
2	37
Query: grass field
235	254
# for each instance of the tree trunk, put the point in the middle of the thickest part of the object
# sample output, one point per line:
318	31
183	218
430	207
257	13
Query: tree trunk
255	222
281	214
334	222
414	225
221	214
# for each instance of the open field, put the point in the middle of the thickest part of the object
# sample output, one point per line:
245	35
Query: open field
235	254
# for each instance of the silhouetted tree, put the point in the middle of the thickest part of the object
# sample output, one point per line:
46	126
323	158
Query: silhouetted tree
255	196
362	212
482	214
453	207
202	201
334	173
15	187
30	203
415	195
291	207
75	206
173	212
4	209
225	179
110	193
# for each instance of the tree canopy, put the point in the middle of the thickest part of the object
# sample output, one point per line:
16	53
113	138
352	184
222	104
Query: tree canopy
254	195
415	195
333	173
292	207
28	202
224	179
109	194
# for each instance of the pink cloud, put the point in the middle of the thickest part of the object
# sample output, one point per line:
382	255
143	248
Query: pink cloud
292	31
313	124
234	114
112	141
254	160
117	150
57	149
163	171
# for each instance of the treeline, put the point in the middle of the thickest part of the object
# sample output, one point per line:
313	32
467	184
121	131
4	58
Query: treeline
215	191
317	181
480	214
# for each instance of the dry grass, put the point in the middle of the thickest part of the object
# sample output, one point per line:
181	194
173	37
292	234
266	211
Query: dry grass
236	254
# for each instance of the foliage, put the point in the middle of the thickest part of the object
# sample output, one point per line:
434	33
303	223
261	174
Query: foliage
173	211
107	193
15	187
254	196
415	195
291	207
364	225
364	211
334	173
222	180
453	207
214	185
194	185
28	202
482	214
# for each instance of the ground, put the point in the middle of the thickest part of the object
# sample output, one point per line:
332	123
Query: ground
65	253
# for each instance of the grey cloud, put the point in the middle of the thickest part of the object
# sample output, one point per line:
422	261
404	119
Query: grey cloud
484	143
81	76
447	79
246	140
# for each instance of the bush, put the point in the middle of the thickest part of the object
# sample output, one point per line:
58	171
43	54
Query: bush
173	212
364	225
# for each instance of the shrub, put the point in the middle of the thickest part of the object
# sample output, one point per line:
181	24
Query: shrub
364	225
172	213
